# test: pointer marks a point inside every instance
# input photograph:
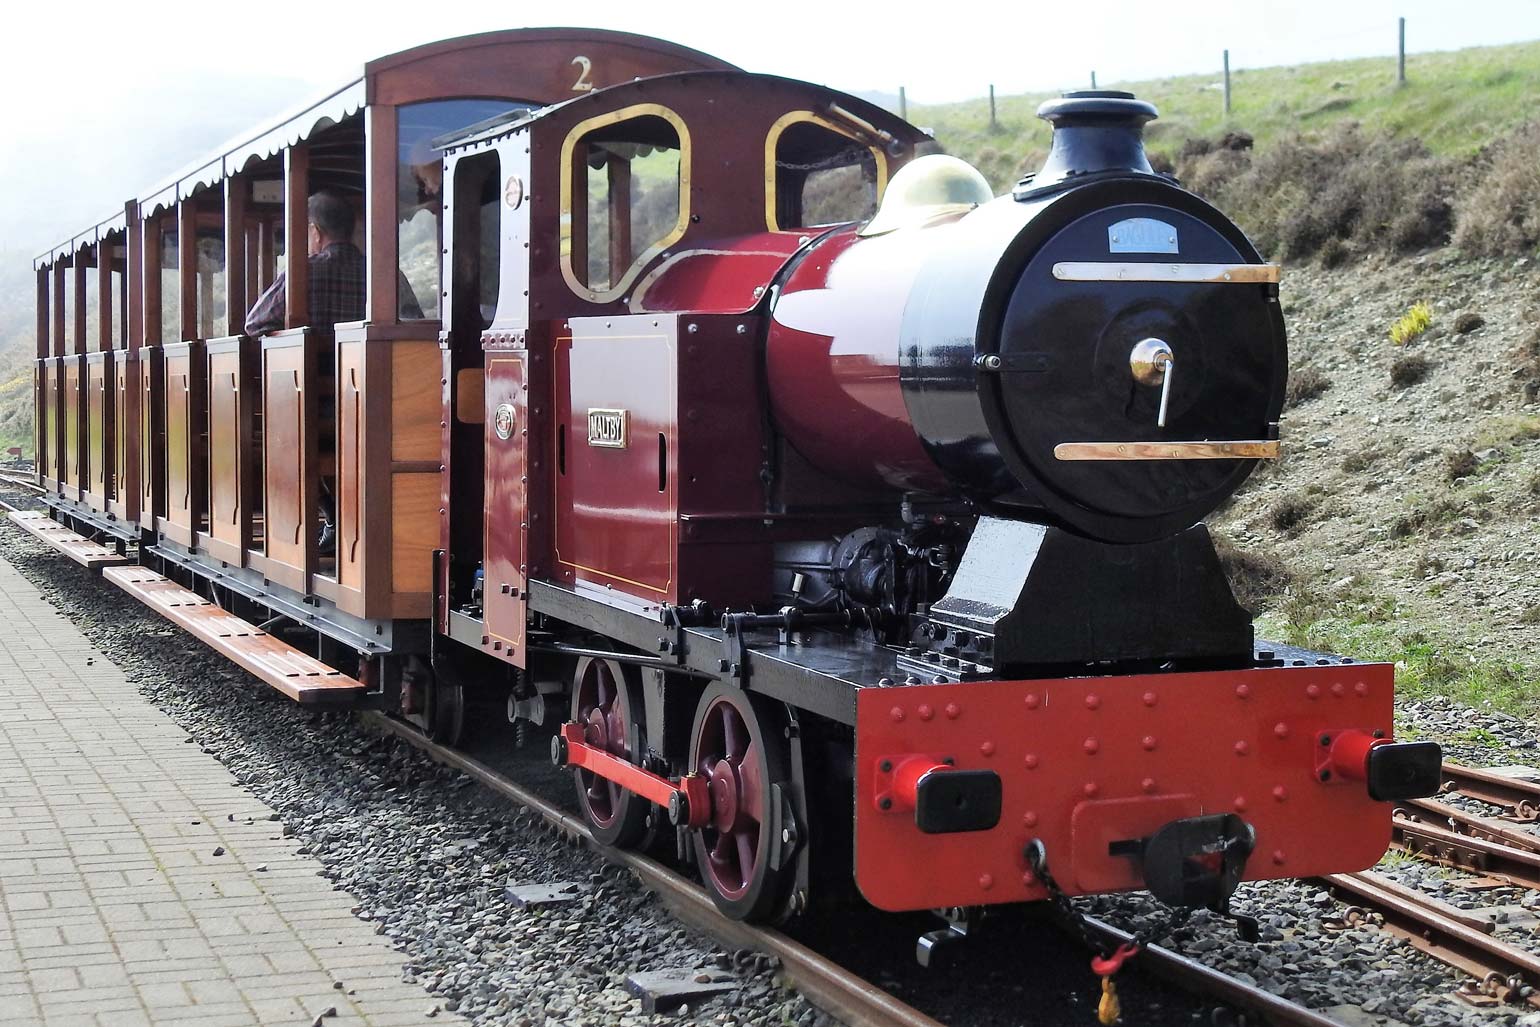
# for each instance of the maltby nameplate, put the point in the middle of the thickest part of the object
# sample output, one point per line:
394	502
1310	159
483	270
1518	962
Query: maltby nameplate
608	428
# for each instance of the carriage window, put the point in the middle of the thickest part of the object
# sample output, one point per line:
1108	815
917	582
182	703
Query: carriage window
625	187
211	283
170	284
93	299
821	176
420	128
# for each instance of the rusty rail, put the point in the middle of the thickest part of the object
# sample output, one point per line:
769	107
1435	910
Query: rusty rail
1520	797
1199	978
822	982
1501	970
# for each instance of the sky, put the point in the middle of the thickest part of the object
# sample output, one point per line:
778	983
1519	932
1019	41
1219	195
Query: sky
103	99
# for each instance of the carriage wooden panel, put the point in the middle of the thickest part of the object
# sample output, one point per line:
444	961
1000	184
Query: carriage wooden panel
123	496
387	470
98	429
44	423
186	482
289	476
232	458
151	386
73	443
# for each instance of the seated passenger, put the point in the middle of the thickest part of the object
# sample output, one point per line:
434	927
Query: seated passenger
337	285
337	279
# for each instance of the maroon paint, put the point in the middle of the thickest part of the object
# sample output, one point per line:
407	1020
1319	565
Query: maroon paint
725	276
833	359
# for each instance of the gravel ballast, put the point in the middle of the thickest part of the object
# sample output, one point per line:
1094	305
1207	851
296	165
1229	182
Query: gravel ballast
427	855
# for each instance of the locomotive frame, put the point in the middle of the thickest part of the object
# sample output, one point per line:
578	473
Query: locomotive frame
608	510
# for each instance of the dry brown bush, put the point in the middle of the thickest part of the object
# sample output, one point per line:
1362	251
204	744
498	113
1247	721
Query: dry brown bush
1348	190
1409	370
1305	383
1256	574
1290	513
1499	215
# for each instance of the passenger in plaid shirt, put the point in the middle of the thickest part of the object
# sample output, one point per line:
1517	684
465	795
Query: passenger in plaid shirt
336	272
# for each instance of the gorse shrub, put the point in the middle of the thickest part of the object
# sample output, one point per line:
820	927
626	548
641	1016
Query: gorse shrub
1412	324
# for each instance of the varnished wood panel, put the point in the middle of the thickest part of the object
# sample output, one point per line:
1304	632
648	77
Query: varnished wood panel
229	437
98	411
414	523
185	466
288	495
352	436
72	461
415	401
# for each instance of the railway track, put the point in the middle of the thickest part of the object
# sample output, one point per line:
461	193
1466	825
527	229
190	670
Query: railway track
1495	849
1500	972
831	987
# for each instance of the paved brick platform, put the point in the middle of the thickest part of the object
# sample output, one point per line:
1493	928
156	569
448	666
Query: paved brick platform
115	909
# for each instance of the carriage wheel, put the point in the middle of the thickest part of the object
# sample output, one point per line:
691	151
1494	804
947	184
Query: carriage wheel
607	702
738	746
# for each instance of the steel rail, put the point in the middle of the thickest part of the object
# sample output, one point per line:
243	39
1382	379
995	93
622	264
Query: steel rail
1200	978
22	483
822	982
1435	928
1520	797
1466	852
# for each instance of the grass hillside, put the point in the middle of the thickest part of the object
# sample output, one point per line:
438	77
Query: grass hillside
1454	102
18	324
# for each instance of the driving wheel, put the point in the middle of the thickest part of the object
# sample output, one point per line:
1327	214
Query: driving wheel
607	702
738	745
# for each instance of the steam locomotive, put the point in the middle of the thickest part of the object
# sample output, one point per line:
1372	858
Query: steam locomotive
835	518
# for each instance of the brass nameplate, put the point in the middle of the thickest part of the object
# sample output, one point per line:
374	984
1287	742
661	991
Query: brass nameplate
608	428
1243	449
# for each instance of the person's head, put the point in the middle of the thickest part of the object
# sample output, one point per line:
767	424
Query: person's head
331	220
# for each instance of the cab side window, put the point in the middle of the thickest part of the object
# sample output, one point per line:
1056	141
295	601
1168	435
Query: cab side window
819	175
625	192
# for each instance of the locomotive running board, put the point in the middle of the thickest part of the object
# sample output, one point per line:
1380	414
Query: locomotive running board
92	556
298	676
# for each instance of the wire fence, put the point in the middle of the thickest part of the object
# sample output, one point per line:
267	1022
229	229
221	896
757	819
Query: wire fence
1355	34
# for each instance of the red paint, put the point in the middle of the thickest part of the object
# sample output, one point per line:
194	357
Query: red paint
1346	757
833	356
900	786
650	786
1048	794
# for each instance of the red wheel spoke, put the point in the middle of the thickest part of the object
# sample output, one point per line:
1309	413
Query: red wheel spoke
745	856
751	787
720	851
732	733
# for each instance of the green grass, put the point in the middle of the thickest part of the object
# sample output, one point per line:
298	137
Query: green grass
1369	628
1456	102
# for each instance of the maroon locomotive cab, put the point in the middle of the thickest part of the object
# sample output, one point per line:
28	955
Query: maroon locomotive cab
506	542
657	445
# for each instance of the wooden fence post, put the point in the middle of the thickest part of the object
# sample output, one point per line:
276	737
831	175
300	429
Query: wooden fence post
1227	83
1400	52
